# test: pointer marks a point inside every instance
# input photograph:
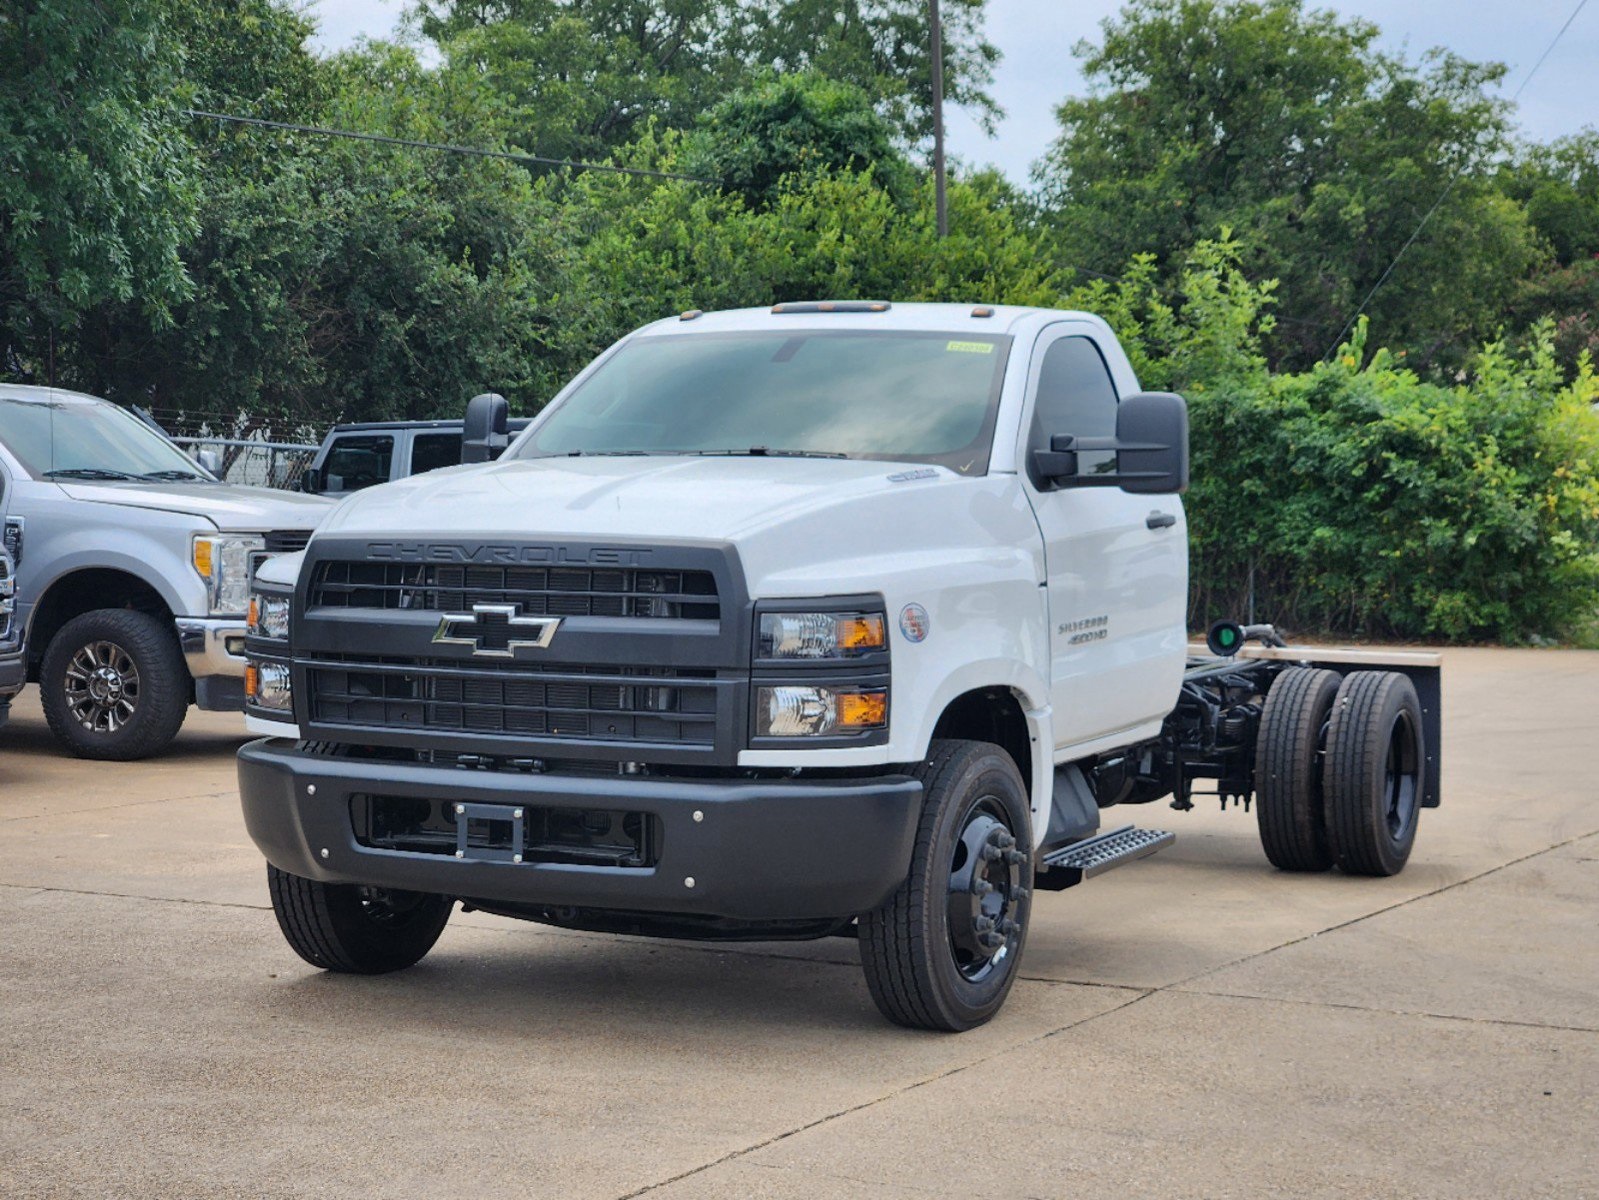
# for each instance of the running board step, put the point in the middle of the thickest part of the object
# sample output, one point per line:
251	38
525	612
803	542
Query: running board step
1096	855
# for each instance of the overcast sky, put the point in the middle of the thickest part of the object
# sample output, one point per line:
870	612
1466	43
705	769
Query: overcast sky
1037	71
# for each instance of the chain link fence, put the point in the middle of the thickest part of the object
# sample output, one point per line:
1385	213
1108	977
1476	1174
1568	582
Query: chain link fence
263	452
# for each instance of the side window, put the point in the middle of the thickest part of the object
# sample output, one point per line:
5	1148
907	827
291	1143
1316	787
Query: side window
430	451
357	461
1076	396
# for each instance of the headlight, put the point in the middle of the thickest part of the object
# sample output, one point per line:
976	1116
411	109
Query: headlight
269	616
224	563
808	711
820	635
267	685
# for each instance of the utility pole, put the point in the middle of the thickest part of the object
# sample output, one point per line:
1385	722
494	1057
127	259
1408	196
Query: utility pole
940	203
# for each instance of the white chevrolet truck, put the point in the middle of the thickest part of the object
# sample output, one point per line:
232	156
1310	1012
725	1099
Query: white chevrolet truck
829	619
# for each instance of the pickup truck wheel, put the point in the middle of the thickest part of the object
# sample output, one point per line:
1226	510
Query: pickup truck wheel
1288	769
354	929
942	953
113	685
1375	772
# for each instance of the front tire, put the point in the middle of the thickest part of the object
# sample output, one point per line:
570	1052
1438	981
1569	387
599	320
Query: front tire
353	929
113	685
943	951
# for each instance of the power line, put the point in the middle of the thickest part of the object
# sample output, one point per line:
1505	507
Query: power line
1450	187
474	151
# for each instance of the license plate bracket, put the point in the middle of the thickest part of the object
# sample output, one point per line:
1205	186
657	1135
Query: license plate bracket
489	832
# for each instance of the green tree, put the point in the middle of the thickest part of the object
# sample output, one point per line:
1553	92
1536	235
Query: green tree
883	47
789	124
1322	153
95	195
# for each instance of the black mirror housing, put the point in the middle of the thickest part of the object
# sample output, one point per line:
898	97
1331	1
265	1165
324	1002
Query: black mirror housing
1151	446
311	481
484	435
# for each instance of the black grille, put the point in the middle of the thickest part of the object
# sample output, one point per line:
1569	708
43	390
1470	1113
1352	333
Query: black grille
287	541
539	591
622	704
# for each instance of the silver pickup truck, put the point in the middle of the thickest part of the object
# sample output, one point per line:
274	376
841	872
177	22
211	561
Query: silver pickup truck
133	565
13	668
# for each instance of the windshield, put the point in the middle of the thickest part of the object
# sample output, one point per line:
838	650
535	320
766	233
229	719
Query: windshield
899	396
69	439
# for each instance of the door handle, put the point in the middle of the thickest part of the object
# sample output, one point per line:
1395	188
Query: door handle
1160	520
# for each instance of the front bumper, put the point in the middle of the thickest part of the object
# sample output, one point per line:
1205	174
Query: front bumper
213	650
762	850
13	675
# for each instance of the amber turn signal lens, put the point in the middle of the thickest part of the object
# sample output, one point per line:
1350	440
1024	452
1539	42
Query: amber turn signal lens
861	633
252	675
862	710
253	621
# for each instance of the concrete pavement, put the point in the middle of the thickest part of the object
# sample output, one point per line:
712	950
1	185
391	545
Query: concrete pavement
1194	1025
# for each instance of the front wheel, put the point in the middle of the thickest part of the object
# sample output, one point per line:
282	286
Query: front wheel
113	684
353	929
943	952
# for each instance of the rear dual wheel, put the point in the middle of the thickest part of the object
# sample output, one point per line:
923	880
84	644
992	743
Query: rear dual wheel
1340	770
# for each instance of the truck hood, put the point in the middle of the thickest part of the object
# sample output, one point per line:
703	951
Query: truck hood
230	507
799	525
709	499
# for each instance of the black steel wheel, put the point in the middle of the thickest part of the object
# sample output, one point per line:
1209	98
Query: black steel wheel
943	952
354	929
113	684
1375	773
1288	769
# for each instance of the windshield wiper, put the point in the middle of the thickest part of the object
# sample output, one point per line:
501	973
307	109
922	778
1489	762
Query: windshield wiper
764	452
172	475
87	473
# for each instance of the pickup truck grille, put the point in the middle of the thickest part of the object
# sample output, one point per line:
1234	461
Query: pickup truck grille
540	591
287	541
621	704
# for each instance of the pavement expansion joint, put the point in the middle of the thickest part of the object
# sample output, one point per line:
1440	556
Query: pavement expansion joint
1385	1012
1377	912
224	794
829	1118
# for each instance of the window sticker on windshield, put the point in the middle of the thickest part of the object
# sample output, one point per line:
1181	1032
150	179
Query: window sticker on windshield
969	347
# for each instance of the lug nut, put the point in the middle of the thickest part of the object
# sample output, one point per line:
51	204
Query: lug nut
1015	856
981	886
982	924
992	853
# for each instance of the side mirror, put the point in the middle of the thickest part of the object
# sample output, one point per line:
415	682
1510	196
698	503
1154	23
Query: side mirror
209	460
483	436
1151	446
311	481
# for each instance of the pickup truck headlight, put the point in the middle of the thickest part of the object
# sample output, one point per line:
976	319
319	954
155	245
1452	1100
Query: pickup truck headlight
795	710
820	635
268	616
223	561
267	685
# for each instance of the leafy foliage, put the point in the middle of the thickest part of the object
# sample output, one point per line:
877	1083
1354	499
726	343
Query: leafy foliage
1240	175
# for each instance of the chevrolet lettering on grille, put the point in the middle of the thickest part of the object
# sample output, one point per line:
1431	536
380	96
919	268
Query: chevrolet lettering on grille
495	630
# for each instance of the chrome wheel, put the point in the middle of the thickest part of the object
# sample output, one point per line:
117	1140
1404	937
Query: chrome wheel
102	687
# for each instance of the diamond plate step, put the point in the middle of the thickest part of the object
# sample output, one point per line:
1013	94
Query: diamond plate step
1096	855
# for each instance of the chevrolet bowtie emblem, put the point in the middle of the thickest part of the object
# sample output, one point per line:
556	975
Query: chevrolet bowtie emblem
492	630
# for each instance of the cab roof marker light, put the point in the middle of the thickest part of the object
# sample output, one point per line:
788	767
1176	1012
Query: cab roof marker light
690	314
982	310
831	306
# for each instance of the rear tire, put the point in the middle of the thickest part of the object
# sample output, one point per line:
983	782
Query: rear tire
943	952
113	685
1288	786
1376	773
353	929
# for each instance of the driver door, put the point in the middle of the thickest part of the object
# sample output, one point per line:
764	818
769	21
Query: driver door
1117	563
